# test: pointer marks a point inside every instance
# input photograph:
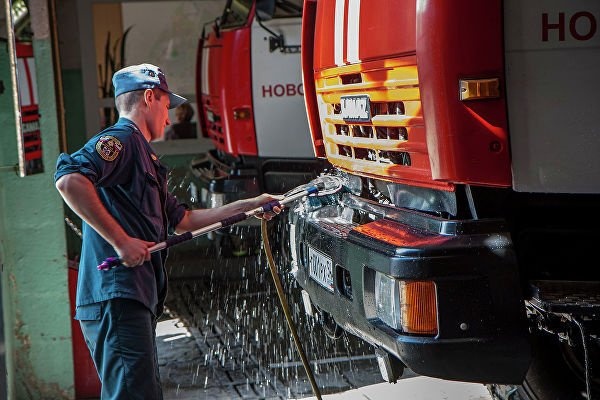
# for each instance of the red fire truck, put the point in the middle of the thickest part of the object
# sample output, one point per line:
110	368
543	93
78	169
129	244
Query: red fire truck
28	97
250	93
468	135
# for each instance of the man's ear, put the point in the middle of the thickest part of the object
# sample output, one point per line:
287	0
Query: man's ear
148	97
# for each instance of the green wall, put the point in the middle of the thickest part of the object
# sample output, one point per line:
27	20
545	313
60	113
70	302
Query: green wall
76	138
37	320
74	109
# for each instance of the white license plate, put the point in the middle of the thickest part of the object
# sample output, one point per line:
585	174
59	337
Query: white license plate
320	268
355	108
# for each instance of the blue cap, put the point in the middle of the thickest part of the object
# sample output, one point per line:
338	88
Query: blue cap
141	77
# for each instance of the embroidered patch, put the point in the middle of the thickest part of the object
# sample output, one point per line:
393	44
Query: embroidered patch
109	147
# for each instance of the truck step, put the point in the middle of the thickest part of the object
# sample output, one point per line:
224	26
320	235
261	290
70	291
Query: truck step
569	297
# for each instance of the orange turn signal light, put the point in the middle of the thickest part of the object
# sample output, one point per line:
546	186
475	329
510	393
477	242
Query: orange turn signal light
418	305
241	113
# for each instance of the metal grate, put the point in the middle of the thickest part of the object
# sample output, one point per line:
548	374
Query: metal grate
391	143
579	298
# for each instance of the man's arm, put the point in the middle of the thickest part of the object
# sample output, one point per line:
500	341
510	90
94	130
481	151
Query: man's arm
80	195
196	219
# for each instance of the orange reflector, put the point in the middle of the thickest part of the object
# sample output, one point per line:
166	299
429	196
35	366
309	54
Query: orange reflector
241	113
419	307
477	89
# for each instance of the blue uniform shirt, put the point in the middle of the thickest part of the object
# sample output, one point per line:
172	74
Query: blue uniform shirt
132	184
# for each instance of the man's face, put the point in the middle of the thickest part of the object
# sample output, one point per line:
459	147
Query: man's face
158	117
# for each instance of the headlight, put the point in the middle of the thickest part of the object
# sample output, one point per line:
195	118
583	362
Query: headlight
407	306
387	300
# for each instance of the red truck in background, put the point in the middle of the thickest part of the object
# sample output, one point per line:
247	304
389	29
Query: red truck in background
30	116
250	96
468	135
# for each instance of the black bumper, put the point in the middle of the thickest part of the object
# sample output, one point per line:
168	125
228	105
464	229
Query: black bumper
482	334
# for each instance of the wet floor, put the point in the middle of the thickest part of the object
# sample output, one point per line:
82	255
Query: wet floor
240	344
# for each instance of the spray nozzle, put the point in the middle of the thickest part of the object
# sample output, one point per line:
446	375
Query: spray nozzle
320	186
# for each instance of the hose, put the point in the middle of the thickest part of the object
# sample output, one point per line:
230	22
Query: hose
286	309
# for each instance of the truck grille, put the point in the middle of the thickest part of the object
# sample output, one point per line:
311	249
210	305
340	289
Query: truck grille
392	144
214	126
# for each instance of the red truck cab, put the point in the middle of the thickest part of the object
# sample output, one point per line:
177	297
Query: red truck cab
251	97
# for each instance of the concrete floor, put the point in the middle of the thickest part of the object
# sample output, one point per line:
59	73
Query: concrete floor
221	356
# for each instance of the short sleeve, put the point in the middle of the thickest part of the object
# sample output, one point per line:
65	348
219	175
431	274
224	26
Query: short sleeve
105	160
76	163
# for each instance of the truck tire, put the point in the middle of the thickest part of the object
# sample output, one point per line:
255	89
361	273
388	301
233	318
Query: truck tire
551	375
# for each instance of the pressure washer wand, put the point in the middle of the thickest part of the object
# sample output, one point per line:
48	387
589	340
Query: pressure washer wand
112	262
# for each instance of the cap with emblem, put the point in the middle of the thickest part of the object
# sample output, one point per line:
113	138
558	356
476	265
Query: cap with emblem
144	76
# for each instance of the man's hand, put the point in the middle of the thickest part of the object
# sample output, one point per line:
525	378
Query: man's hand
202	217
263	199
134	252
80	194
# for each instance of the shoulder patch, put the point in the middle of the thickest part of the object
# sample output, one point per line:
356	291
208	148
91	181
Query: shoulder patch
108	147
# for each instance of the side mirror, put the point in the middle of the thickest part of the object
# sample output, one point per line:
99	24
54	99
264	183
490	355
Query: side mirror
265	9
217	27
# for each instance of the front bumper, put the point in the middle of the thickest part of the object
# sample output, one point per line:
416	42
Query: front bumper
481	336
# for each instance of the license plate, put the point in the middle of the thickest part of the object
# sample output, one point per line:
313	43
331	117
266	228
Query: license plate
320	268
355	108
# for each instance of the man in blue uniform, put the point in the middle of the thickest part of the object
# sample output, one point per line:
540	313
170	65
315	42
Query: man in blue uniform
118	186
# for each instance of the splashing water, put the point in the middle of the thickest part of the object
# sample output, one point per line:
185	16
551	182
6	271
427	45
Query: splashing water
232	303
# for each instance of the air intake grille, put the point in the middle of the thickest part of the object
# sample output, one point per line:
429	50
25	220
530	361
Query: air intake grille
214	126
390	144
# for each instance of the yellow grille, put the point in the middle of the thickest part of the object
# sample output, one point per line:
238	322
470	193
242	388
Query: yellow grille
392	144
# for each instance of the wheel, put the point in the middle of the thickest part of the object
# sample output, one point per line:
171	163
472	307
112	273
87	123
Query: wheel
556	372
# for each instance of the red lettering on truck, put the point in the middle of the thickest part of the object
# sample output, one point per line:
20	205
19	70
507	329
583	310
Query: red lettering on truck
582	26
281	90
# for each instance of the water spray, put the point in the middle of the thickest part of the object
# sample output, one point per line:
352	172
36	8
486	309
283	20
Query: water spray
286	310
329	184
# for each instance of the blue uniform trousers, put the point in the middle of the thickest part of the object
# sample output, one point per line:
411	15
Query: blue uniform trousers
120	334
